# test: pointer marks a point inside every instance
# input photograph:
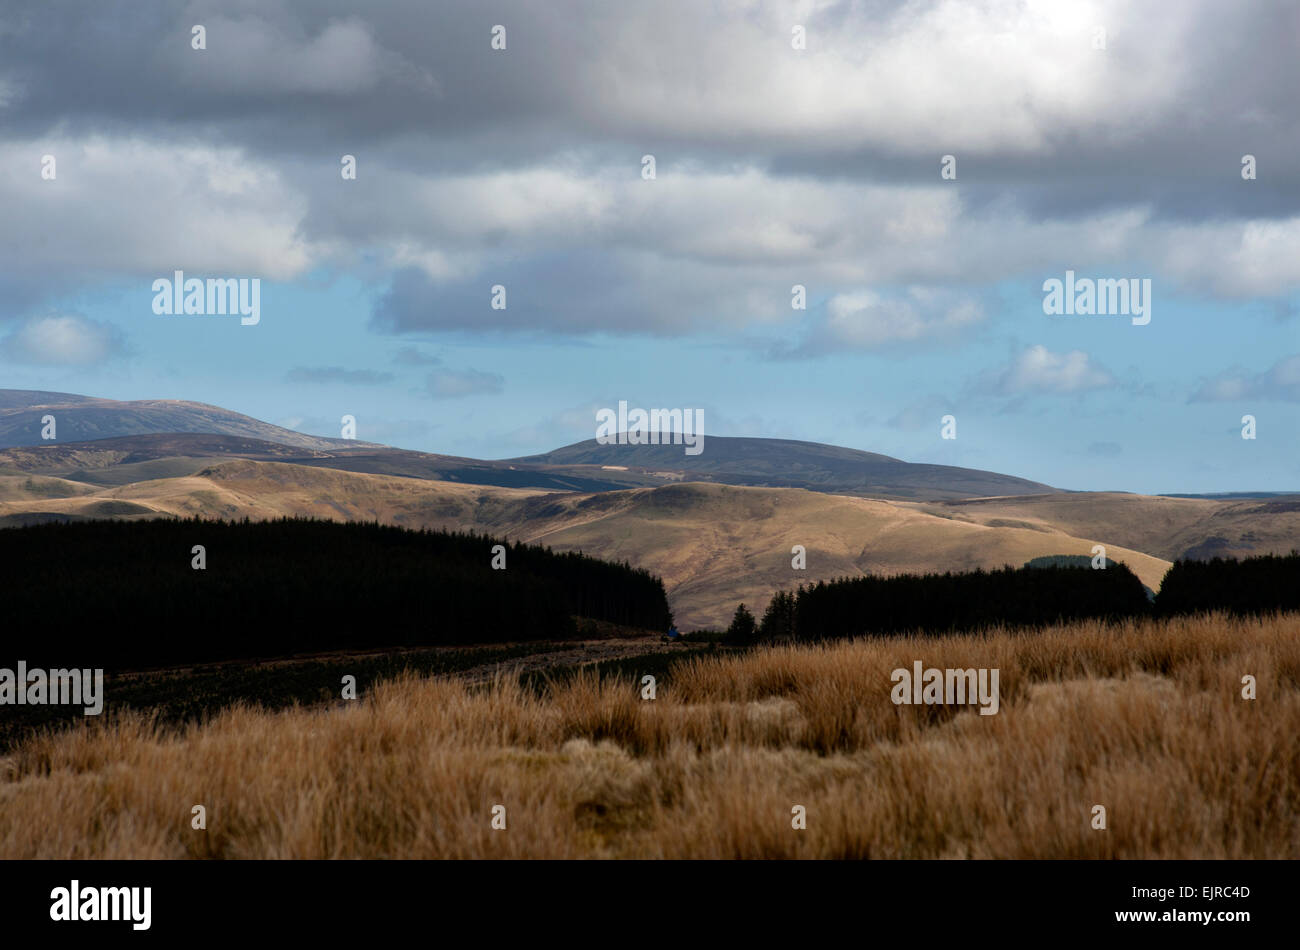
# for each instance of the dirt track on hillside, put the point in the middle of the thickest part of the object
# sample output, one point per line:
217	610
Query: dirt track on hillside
586	651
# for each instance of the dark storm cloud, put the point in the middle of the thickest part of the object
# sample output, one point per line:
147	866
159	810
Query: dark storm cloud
414	85
290	78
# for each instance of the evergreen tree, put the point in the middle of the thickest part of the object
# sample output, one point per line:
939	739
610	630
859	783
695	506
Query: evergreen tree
743	630
778	619
127	594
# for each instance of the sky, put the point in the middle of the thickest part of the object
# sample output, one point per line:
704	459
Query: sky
921	169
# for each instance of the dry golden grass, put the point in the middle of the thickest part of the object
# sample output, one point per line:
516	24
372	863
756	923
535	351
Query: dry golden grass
1144	718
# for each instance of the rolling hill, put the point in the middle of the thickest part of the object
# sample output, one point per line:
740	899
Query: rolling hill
1164	526
786	463
140	439
85	418
718	527
714	545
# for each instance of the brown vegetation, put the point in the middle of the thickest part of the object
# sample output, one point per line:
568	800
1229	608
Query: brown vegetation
1146	719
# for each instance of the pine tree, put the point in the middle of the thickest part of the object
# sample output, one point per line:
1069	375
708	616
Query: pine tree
743	630
778	619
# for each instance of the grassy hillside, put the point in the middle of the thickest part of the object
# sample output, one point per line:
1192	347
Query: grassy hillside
1167	528
714	545
718	545
1145	719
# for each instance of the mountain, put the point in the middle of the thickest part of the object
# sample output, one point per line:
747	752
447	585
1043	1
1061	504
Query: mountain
26	398
118	461
104	433
84	418
786	463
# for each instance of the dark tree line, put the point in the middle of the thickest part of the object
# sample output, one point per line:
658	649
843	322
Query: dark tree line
119	594
1252	586
941	603
1044	591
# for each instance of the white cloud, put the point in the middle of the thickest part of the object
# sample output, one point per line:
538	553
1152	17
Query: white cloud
725	244
1280	382
865	319
1013	74
61	340
1038	370
136	207
817	166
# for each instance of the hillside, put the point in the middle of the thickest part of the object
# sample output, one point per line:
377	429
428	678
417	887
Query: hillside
718	545
1166	527
718	527
714	545
785	463
83	418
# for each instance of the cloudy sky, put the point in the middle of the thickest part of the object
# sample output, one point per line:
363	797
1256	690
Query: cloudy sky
1102	138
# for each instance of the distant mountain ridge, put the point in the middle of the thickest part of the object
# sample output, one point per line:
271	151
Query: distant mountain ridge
789	463
85	418
95	434
33	398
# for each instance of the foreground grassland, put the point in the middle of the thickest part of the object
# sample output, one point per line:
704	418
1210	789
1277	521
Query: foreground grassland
1146	719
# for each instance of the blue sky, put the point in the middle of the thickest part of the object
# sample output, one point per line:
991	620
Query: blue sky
775	166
